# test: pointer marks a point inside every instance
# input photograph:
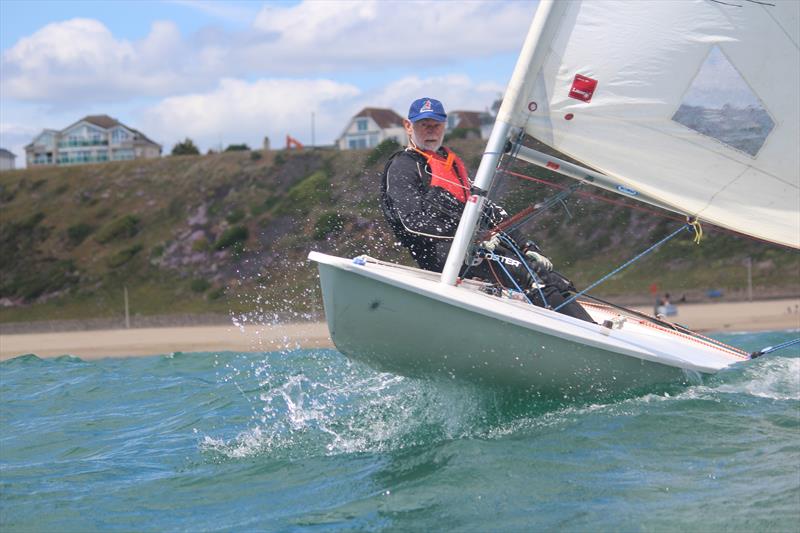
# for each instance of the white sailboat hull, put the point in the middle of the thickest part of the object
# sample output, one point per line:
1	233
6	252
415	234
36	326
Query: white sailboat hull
402	320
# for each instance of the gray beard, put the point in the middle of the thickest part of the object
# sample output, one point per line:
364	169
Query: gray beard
419	144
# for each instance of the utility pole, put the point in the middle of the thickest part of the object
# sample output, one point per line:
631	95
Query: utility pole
312	129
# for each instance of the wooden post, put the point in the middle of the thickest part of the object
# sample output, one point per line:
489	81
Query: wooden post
127	313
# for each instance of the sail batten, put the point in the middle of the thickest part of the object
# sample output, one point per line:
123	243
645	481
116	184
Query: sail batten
693	102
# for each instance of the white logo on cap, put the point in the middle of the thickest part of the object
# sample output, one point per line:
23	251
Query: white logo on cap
426	106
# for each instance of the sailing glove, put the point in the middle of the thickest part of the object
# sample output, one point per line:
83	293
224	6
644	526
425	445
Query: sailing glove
540	262
491	244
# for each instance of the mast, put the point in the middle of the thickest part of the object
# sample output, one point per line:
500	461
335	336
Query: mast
530	61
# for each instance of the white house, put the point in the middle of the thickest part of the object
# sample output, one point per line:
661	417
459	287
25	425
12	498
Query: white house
92	139
371	126
6	160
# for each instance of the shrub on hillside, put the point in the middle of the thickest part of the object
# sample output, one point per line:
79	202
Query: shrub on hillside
255	156
30	222
48	276
382	151
233	236
187	147
123	256
216	294
199	285
310	192
120	228
7	194
237	215
237	148
201	245
61	189
78	232
326	224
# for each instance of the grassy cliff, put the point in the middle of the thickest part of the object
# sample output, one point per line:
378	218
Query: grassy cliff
230	232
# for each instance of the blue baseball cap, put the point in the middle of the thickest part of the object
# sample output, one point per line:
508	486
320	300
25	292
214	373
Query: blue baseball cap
426	108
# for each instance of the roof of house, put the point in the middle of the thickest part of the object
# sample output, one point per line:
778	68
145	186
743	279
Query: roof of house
6	153
385	118
106	122
467	119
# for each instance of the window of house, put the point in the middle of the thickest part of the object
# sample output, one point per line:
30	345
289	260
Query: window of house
95	135
358	143
361	124
121	155
119	135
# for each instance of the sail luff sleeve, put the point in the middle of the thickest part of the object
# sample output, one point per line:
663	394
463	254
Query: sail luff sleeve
532	56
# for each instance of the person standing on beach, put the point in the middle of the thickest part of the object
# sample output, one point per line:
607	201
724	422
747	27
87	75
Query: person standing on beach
424	188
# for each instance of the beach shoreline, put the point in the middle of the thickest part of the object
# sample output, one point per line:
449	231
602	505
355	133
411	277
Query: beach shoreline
765	315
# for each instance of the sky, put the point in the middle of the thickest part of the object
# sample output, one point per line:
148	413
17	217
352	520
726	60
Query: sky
231	72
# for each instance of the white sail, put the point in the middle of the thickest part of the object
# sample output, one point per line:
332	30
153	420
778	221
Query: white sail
692	102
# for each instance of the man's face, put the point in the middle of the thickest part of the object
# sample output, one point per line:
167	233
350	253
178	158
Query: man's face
427	133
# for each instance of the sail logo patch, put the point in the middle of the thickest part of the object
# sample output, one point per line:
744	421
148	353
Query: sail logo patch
625	190
582	88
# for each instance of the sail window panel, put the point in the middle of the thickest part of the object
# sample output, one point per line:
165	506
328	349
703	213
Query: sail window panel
720	104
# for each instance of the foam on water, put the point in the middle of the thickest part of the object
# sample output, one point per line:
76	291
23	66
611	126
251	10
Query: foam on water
321	404
304	438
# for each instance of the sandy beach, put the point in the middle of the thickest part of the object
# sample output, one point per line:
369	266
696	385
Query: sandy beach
708	317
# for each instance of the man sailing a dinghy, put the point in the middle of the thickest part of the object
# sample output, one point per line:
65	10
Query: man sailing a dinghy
423	191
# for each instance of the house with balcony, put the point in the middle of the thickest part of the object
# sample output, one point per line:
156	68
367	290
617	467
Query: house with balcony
6	160
92	139
371	126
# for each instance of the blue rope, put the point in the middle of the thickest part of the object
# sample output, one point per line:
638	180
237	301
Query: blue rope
770	349
509	276
601	280
537	282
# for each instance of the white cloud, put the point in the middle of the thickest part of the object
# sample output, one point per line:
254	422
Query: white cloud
239	111
80	60
378	32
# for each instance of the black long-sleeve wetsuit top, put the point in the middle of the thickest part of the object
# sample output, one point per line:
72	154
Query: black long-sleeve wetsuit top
423	218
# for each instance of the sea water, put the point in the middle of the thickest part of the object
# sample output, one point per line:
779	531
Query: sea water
304	440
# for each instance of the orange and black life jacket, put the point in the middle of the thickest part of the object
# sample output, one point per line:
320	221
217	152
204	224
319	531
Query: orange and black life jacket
448	173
